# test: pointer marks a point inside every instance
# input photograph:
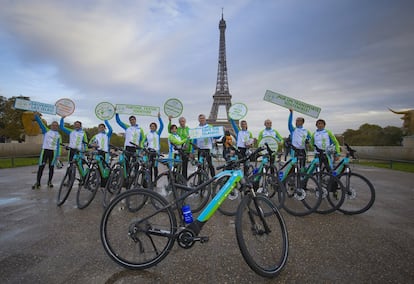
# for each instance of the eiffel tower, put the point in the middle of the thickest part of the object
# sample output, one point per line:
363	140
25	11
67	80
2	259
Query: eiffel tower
222	95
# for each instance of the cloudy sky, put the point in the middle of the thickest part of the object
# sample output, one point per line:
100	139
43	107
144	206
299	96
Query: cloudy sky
352	58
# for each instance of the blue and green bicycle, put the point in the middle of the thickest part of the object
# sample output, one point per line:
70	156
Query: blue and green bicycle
139	227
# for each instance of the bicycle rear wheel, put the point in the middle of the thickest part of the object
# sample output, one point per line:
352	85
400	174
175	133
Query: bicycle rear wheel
141	238
303	194
66	184
360	194
262	238
87	189
333	193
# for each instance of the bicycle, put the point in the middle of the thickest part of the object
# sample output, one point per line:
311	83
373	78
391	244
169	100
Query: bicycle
76	164
197	177
97	176
333	192
119	175
162	183
359	191
303	193
140	239
263	182
264	179
140	167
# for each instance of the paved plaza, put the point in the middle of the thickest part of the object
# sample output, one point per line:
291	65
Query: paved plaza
43	243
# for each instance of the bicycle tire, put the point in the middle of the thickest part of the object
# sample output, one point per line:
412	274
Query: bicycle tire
268	184
113	185
132	173
87	189
199	199
66	185
304	198
163	186
142	179
140	239
333	193
360	194
262	238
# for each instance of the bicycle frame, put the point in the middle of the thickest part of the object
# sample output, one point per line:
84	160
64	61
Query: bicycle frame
235	177
225	190
286	169
78	159
341	166
103	166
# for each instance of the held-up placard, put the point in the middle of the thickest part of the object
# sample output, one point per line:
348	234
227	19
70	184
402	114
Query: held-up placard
34	106
137	110
292	103
204	132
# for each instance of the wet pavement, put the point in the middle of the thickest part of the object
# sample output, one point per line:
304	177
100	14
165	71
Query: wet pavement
43	243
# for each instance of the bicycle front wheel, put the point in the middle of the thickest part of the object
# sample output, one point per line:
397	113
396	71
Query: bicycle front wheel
142	179
141	238
303	194
66	185
200	198
359	196
87	189
163	185
268	184
262	238
113	185
333	193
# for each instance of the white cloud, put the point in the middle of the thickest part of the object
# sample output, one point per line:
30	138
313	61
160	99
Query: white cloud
144	52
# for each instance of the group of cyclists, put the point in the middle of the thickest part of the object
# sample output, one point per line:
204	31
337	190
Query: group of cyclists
178	137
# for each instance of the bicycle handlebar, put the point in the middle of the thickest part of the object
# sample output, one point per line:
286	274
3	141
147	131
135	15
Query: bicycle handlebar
235	163
350	151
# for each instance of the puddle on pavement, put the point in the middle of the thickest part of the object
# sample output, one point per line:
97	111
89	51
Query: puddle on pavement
4	201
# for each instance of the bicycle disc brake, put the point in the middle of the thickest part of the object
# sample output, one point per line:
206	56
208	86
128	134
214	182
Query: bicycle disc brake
300	194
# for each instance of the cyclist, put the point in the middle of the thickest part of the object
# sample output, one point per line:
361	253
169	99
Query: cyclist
229	142
324	139
77	137
174	139
244	139
183	131
205	144
299	136
133	133
269	131
152	142
50	150
101	140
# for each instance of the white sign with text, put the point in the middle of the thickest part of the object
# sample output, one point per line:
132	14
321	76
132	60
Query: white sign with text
292	103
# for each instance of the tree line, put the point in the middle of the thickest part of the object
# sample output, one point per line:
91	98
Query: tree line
11	128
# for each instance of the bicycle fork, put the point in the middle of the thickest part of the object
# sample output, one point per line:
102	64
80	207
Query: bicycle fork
255	227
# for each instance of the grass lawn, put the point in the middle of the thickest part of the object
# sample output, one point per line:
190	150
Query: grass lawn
405	167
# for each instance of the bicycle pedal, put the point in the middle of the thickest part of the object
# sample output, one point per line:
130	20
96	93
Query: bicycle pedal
201	239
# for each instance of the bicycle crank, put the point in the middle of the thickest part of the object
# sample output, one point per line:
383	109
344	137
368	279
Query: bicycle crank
186	239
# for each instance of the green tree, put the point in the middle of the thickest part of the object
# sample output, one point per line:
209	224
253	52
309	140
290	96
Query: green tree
373	135
11	125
